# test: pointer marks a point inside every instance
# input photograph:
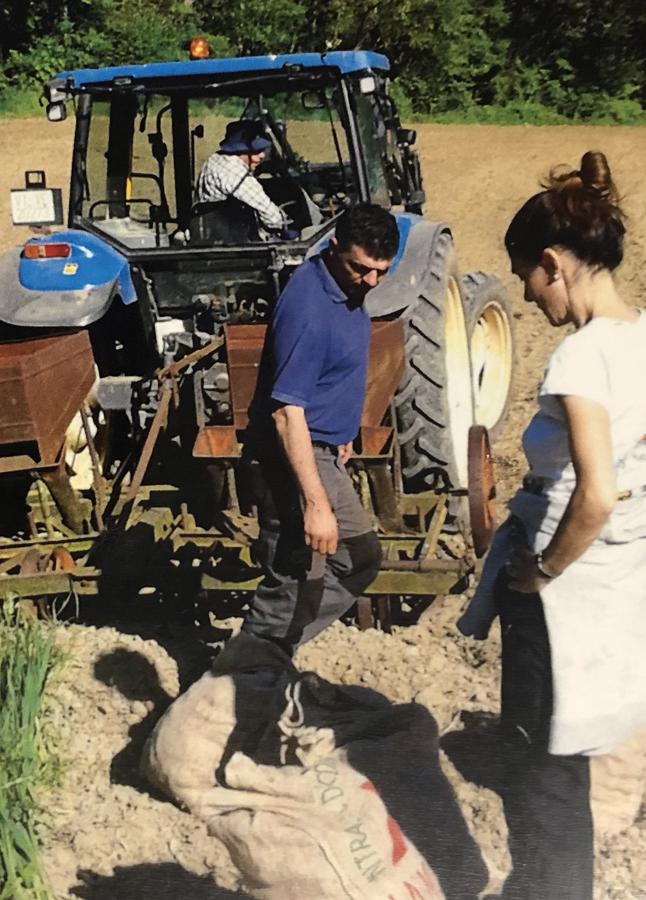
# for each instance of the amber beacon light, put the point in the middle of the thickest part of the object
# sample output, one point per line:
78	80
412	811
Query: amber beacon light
199	48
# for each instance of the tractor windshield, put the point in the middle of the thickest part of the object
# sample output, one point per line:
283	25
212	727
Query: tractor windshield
144	153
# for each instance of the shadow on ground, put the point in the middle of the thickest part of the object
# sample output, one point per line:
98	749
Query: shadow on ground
135	677
160	881
475	750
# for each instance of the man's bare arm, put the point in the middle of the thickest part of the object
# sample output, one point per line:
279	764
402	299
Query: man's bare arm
321	529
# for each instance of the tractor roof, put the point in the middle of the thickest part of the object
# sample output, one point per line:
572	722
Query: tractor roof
344	61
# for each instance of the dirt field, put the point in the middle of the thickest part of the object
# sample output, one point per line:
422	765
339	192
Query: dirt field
108	836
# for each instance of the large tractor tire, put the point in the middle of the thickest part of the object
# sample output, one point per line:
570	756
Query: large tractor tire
490	329
434	403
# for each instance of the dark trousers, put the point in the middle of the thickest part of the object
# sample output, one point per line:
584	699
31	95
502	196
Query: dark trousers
546	797
303	591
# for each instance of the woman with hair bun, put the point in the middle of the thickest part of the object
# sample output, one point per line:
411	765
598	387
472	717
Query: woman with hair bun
567	570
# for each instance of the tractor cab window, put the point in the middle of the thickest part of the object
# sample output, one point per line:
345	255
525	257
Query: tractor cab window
392	166
374	139
306	171
129	174
145	152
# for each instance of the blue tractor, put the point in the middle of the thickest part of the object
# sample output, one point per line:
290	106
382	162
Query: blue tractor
130	339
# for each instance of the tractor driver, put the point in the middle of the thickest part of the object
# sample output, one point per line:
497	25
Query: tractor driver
229	173
316	544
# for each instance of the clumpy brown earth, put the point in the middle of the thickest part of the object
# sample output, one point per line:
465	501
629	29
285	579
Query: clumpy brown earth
106	835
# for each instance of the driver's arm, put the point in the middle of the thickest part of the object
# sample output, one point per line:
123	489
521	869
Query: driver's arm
251	192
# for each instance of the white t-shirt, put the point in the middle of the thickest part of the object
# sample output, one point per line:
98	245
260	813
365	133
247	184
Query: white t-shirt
595	610
605	361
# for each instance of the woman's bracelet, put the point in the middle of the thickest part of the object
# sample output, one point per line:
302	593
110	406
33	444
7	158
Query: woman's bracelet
538	562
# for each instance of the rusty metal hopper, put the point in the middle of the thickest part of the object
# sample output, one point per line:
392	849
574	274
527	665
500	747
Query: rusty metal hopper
244	350
43	383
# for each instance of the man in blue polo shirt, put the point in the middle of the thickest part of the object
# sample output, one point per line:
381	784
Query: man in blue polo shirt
316	544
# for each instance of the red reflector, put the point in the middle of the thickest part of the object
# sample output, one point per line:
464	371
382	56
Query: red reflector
46	251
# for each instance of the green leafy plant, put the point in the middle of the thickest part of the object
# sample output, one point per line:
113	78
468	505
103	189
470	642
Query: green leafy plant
503	61
27	656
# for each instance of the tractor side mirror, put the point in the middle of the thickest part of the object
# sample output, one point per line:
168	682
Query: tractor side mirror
56	112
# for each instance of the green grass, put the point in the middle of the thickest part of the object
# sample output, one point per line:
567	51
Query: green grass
27	656
20	104
609	112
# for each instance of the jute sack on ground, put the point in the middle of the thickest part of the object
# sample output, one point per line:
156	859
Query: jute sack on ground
262	754
321	832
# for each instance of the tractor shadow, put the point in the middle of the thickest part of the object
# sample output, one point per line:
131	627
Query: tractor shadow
150	881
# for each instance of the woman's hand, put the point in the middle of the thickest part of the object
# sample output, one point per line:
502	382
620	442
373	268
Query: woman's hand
524	577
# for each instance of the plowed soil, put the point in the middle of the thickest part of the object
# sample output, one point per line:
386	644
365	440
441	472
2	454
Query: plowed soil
108	837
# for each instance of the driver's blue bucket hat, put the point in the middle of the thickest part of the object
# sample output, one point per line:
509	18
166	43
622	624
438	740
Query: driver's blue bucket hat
244	136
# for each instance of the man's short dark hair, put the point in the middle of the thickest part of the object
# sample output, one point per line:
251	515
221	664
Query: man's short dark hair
370	227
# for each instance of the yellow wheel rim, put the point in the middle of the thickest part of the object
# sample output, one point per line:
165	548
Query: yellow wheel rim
458	376
491	364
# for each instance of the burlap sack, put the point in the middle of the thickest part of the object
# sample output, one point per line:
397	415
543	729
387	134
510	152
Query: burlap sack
277	780
327	835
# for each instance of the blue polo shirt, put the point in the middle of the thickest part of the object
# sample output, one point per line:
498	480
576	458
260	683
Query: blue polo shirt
316	356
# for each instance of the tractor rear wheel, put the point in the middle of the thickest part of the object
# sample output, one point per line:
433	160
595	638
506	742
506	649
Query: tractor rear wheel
434	403
489	325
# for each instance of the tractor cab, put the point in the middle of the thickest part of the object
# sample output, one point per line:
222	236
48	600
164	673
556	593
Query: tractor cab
168	270
144	133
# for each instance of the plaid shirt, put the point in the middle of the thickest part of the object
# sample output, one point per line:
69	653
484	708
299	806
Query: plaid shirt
224	176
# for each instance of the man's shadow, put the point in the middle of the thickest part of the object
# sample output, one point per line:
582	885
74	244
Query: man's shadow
136	678
150	881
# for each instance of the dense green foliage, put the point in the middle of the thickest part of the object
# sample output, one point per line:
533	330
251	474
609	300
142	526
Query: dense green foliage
480	60
27	655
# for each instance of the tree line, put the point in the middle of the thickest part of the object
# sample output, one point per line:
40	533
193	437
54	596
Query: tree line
536	60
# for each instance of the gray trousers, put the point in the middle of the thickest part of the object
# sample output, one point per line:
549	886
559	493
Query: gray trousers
303	591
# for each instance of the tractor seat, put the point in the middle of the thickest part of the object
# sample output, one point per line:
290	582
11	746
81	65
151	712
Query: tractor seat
224	222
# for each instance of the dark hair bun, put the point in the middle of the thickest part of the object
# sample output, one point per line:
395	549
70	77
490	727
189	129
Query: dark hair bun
592	178
595	174
577	209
